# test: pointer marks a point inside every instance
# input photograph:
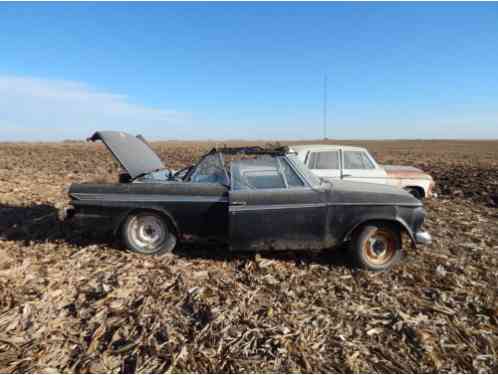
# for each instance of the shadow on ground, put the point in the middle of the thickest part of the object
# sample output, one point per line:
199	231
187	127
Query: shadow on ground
42	223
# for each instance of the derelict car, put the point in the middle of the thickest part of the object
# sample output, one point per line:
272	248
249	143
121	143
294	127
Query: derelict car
267	201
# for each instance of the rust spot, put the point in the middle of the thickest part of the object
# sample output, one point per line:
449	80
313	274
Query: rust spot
407	174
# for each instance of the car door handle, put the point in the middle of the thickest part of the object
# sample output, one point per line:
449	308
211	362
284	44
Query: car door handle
238	203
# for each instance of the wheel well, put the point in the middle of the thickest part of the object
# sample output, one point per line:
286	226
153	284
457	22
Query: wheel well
402	229
419	189
169	219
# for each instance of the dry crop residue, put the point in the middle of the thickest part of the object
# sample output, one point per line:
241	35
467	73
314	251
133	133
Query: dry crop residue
72	301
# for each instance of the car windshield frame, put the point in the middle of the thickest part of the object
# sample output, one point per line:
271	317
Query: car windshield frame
303	171
193	169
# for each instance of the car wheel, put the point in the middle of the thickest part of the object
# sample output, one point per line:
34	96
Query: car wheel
148	233
376	247
416	192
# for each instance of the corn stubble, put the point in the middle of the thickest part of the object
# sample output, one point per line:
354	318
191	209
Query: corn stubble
72	301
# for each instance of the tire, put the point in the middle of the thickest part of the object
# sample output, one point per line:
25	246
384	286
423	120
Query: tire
416	192
148	233
376	247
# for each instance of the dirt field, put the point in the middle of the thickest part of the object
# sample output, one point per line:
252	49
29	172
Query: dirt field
72	301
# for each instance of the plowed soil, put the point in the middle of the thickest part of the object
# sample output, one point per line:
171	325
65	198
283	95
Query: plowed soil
72	300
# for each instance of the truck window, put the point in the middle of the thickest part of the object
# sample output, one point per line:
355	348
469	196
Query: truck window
324	160
357	160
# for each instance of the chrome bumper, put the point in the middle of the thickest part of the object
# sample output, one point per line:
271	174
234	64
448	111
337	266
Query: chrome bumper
423	238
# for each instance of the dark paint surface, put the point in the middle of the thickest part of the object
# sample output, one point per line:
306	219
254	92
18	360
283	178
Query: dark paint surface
273	219
199	209
277	219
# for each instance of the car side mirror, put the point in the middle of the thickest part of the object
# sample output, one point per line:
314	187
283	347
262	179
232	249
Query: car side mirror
326	185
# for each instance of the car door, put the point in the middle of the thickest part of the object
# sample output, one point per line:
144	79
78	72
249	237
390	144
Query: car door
325	164
272	207
358	165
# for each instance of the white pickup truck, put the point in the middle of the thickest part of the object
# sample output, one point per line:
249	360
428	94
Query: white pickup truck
356	164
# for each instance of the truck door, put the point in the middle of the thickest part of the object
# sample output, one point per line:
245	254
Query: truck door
358	166
325	164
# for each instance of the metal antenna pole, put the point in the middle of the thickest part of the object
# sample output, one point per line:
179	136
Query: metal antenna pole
325	106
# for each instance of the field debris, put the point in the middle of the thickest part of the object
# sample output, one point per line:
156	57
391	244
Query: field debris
72	301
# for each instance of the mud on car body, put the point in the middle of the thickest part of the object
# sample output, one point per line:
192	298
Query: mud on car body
267	201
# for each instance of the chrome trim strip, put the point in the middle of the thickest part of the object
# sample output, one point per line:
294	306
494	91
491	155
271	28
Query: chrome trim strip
259	207
255	207
375	204
125	197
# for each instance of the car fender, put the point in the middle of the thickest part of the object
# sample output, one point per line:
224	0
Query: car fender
376	217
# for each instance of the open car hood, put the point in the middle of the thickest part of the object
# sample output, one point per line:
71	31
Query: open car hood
133	153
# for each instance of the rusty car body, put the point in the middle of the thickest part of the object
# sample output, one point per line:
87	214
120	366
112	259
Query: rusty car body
267	200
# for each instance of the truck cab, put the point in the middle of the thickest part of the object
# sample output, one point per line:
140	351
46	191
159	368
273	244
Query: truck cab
357	164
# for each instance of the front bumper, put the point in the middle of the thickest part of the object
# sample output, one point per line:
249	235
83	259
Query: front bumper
423	238
431	192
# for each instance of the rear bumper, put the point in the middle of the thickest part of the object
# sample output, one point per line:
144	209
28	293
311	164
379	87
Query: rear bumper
67	213
423	238
85	217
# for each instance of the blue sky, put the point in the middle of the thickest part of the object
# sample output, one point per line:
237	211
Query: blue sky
250	71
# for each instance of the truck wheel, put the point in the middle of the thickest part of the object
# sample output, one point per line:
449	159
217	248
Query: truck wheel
416	192
148	233
376	247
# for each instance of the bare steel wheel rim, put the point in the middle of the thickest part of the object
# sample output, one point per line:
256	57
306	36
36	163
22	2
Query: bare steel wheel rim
148	232
380	247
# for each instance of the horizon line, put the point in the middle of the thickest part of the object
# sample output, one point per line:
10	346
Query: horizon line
213	140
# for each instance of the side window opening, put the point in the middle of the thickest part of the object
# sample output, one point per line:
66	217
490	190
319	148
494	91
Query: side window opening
211	169
324	160
357	160
265	180
274	173
367	161
290	175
